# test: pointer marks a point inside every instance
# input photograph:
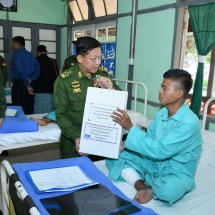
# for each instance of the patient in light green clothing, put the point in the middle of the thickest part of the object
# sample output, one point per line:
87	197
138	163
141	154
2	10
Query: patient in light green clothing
50	117
161	163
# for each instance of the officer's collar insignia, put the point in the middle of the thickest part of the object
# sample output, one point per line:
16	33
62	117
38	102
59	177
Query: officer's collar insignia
79	74
103	68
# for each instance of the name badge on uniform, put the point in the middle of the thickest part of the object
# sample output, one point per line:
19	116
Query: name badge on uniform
76	86
77	90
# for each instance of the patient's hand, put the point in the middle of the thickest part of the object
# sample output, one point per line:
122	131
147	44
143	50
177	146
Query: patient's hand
122	146
1	121
122	118
77	147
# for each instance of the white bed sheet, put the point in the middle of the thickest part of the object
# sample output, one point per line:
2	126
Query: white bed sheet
197	202
45	134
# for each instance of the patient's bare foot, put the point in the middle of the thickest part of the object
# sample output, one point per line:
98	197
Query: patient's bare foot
144	193
41	122
143	196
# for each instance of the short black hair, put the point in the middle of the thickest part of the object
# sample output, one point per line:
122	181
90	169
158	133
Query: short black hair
20	40
41	48
181	76
85	44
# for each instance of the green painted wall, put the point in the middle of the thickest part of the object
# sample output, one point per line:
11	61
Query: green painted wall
124	6
154	38
63	45
39	11
153	49
122	47
145	4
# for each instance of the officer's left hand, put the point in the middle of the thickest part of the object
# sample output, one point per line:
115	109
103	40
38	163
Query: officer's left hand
77	147
1	121
105	82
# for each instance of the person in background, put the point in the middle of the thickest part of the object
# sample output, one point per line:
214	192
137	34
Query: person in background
25	70
3	69
161	163
70	93
69	61
44	85
3	72
50	117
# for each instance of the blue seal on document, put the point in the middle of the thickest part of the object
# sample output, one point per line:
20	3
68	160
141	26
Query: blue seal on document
87	136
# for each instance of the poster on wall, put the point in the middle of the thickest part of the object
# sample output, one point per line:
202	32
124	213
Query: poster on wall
100	135
8	5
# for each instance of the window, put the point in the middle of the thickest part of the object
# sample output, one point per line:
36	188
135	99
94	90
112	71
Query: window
107	37
80	33
1	42
80	10
24	32
48	39
105	33
189	62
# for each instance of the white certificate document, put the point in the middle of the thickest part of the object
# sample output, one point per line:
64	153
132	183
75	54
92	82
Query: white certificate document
59	179
100	135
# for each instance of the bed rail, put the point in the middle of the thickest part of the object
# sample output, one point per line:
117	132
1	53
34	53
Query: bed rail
204	119
136	84
6	173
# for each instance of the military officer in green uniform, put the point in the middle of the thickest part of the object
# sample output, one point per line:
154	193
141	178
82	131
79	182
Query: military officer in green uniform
70	92
3	69
3	79
69	61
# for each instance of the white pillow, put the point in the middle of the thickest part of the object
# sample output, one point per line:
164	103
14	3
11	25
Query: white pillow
208	147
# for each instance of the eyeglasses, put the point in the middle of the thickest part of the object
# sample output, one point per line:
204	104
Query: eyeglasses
93	59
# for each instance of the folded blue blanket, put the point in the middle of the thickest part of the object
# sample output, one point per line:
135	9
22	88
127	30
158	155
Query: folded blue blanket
18	123
87	165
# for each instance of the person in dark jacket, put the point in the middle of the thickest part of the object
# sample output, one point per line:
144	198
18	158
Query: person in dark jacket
44	85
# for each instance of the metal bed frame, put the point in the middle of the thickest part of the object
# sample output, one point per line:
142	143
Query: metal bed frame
22	202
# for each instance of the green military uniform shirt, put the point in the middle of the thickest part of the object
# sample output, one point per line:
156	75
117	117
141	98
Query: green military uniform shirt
69	98
69	61
3	69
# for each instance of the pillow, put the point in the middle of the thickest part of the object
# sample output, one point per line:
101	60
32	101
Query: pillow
18	123
208	147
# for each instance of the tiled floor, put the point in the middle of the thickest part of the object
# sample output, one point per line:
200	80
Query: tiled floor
31	154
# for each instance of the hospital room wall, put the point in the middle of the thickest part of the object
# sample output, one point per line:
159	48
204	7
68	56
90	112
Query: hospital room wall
153	49
39	11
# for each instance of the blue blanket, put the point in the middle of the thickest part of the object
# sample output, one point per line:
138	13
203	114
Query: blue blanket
18	123
88	167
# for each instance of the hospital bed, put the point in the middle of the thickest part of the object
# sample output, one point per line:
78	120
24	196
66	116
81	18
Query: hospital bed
197	202
51	132
44	135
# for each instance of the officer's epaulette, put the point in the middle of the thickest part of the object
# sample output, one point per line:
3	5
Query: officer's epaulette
103	68
67	73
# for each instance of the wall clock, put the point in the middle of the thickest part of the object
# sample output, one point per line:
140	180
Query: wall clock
8	5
